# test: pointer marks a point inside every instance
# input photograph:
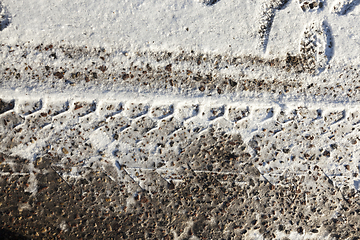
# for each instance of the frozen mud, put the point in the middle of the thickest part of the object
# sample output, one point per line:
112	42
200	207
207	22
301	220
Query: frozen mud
205	119
154	151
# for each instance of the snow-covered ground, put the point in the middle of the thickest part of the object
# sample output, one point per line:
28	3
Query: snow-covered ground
134	86
226	27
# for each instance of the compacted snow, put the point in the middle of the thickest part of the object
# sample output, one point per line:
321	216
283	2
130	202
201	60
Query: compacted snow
269	28
132	87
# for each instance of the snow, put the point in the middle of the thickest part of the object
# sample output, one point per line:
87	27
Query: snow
225	27
228	28
150	25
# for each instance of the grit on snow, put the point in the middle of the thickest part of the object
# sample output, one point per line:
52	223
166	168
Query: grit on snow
154	94
225	26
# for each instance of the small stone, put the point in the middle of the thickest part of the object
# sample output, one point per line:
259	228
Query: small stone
286	150
38	161
53	55
326	153
59	75
168	67
232	83
64	150
116	136
102	68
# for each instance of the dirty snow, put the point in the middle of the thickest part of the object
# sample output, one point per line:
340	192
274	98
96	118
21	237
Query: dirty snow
138	113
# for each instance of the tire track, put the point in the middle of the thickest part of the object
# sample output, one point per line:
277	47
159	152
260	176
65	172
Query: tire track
146	138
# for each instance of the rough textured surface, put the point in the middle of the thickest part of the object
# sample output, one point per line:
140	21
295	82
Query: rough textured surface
204	204
204	119
197	166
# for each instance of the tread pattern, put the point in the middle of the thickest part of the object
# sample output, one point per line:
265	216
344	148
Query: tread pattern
142	140
112	202
269	9
316	47
145	162
345	6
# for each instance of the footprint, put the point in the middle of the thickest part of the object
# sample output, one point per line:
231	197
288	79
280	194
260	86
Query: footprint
316	47
345	6
267	17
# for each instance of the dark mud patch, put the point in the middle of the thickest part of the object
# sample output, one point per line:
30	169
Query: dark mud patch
222	196
7	234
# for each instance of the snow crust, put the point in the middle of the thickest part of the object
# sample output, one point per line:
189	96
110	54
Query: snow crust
225	27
